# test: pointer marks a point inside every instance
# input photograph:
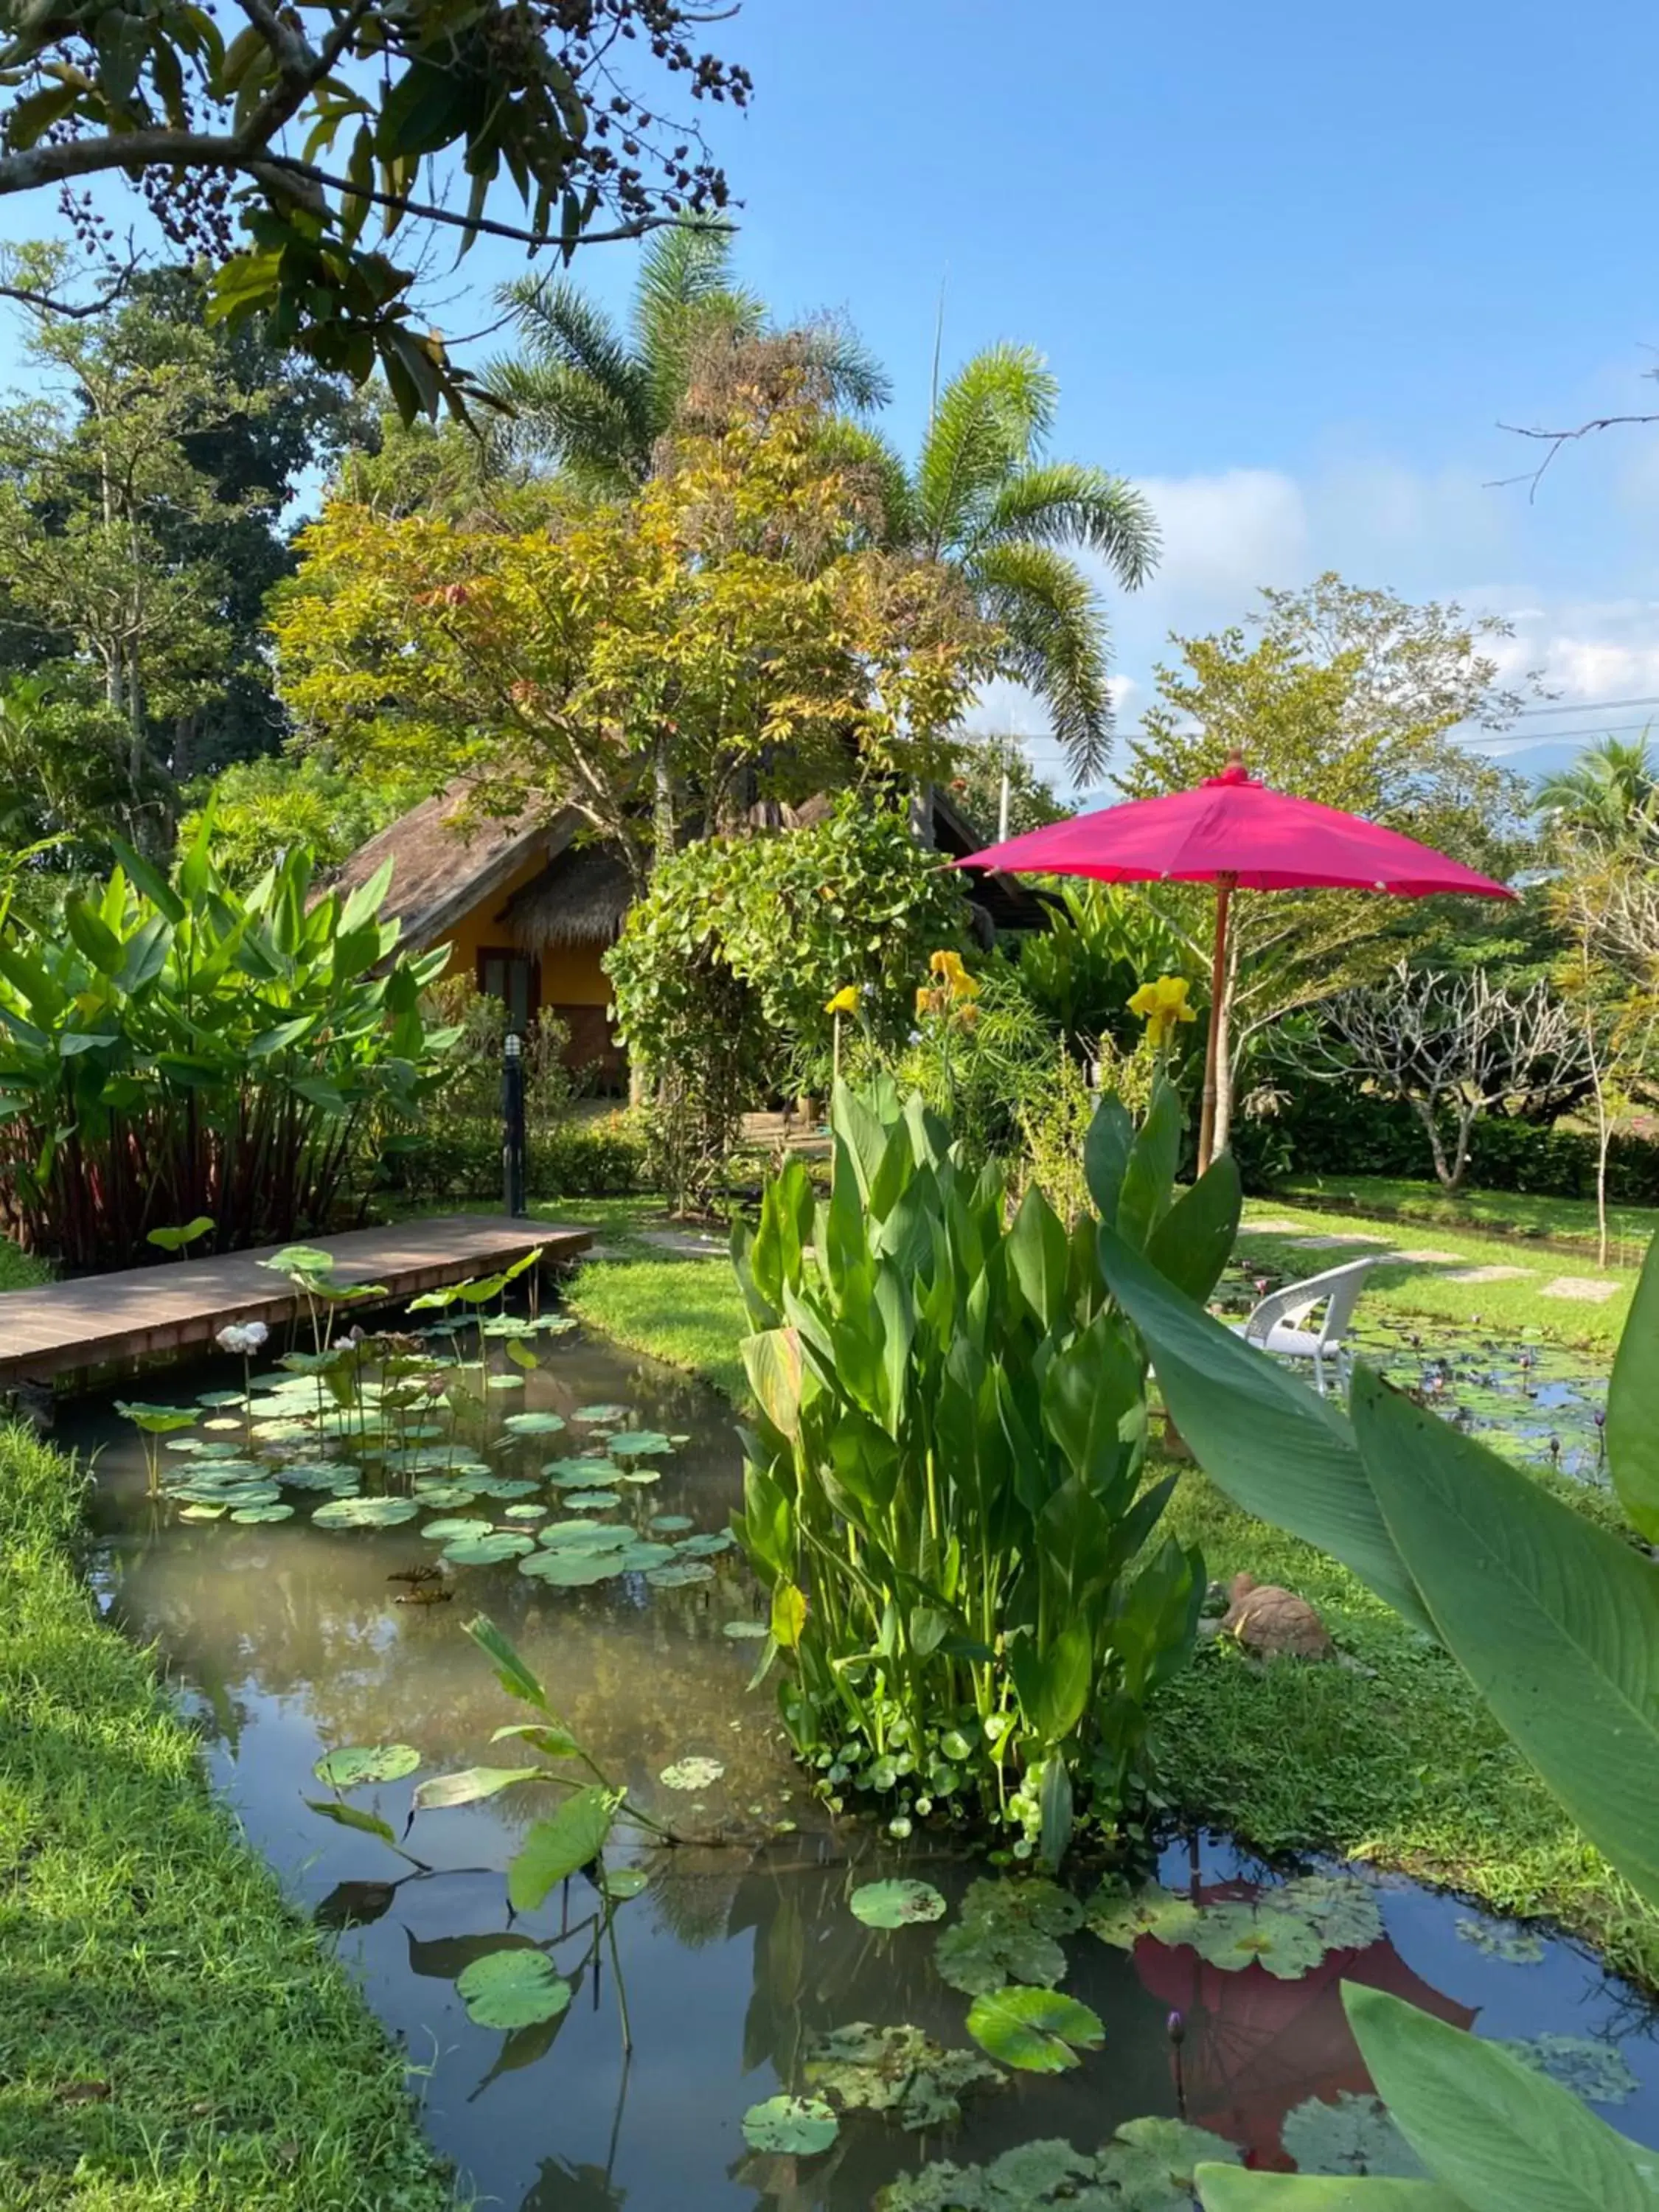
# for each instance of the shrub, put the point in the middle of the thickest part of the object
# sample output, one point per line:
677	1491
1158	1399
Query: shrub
180	1048
943	1491
570	1158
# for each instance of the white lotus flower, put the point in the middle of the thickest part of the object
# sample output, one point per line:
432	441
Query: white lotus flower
243	1336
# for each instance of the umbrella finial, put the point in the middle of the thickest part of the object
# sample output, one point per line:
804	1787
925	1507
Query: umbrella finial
1234	771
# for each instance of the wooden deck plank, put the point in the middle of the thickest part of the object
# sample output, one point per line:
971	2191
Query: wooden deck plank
56	1327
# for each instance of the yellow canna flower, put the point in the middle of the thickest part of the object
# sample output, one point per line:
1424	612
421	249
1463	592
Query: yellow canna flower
1162	1005
846	1000
924	1001
952	976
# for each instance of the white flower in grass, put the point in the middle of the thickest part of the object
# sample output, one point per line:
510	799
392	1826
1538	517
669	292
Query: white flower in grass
243	1336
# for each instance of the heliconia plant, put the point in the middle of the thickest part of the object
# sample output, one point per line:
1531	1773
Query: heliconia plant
944	1487
178	1051
1554	1620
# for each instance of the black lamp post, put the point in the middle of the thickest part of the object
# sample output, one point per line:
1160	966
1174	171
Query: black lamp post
512	1122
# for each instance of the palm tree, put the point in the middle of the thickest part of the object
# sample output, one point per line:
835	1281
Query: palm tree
598	401
1609	792
984	498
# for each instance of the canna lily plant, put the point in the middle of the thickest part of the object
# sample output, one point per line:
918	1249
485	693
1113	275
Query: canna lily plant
946	1488
1163	1006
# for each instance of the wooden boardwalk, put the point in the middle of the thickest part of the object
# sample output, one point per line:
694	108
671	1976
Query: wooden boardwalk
101	1318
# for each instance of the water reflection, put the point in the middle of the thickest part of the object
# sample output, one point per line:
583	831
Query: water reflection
285	1640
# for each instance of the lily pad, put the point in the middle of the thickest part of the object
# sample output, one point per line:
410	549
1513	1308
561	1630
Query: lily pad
1038	2031
623	1882
580	1535
247	1516
512	1989
1148	2166
525	1511
505	1382
445	1493
639	1444
691	1773
318	1475
1595	2071
896	2070
745	1631
896	1904
533	1425
641	1477
510	1486
593	1501
488	1550
679	1573
1342	1912
795	2127
1006	1933
582	1474
570	1570
1122	1917
462	1530
1516	1947
645	1557
708	1546
1350	2136
199	1510
1234	1937
596	1415
670	1523
364	1513
355	1763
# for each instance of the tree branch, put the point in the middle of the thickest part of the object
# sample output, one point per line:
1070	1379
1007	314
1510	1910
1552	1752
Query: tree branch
1555	440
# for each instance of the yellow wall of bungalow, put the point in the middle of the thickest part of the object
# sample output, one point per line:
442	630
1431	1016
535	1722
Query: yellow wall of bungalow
570	981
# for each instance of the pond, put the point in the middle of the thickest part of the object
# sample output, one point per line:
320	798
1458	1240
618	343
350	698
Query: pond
742	1958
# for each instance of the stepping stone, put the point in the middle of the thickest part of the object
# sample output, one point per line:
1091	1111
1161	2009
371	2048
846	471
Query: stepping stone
1488	1274
1584	1290
1267	1228
1425	1255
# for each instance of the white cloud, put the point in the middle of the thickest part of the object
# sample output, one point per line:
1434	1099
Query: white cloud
1225	536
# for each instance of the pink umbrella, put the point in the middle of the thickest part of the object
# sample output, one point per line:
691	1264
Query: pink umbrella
1234	833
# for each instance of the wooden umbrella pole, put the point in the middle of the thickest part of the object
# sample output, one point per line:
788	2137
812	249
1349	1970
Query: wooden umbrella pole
1224	895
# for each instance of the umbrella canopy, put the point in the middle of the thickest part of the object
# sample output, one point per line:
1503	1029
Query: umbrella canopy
1235	832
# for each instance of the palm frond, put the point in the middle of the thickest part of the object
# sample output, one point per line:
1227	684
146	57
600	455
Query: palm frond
857	447
990	420
1054	623
683	264
564	331
1064	503
856	379
561	411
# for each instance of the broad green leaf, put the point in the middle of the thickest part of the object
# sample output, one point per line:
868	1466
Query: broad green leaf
512	1989
772	1360
1038	2031
175	1240
510	1671
1633	1406
553	1849
1269	1442
897	1904
788	1614
1555	1621
797	2127
541	1735
1230	2188
471	1784
359	1763
352	1816
1194	1241
1106	1155
1500	2136
1149	1174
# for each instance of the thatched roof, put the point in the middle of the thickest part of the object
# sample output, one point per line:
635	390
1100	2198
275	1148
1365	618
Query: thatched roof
440	869
578	898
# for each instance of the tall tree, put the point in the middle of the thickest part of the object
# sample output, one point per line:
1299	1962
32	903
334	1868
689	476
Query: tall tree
1611	793
661	664
141	488
599	400
985	498
1348	697
382	95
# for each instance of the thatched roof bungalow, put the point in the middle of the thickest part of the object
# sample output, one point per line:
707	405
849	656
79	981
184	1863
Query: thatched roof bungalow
529	912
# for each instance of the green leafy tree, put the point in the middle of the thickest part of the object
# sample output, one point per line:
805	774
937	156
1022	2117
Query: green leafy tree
599	400
532	101
1348	697
985	498
259	812
141	487
1610	793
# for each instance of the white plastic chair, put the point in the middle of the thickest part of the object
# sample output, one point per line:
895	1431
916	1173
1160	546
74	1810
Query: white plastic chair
1284	1324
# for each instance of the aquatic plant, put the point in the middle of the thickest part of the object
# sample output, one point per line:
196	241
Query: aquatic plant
1555	1621
943	1487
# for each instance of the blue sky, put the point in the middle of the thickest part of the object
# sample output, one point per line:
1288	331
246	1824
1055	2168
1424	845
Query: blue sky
1292	266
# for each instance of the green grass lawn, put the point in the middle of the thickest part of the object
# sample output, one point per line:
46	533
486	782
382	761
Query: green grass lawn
1417	1289
18	1271
1393	1759
172	2039
1568	1221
